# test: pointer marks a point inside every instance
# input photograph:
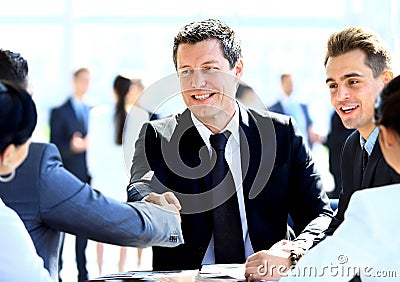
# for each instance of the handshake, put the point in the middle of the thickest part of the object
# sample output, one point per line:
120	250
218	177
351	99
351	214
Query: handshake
166	200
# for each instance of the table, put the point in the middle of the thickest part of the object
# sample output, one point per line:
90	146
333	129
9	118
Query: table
164	276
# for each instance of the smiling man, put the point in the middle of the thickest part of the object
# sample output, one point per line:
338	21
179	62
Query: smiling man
236	201
358	66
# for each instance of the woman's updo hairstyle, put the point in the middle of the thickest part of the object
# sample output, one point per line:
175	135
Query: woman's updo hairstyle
18	115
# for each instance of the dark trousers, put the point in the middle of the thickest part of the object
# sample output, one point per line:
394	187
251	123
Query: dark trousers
80	253
80	249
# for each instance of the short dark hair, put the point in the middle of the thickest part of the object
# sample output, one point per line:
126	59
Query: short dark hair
284	75
387	108
13	67
210	29
81	70
378	56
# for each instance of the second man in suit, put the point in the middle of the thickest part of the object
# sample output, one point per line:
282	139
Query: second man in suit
358	66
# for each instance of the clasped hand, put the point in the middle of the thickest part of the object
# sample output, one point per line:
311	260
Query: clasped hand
167	200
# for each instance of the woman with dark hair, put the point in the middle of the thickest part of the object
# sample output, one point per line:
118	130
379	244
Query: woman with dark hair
18	258
106	128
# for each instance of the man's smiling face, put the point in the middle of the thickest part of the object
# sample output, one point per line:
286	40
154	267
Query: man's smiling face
353	90
207	81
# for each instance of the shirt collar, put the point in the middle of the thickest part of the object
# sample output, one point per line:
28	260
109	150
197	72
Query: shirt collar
370	142
76	104
232	126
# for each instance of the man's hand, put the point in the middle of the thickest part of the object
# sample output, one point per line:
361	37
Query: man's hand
267	265
287	246
273	263
167	200
78	144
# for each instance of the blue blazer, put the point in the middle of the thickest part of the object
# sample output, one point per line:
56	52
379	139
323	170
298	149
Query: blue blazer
49	199
278	108
275	162
63	124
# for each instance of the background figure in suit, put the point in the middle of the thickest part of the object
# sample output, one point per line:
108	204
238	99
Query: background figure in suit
49	199
358	66
18	257
287	105
68	130
335	140
262	150
371	212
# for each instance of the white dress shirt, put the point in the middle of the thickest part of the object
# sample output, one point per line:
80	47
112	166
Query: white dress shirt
232	152
366	242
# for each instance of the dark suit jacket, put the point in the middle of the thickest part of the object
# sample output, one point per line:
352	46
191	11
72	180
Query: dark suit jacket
63	124
378	173
335	141
278	108
275	162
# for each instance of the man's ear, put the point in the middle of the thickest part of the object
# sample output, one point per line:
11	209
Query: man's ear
239	68
387	76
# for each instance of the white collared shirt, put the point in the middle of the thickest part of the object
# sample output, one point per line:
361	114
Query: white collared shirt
232	152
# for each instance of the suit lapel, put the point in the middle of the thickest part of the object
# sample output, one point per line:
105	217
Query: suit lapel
357	163
248	139
191	148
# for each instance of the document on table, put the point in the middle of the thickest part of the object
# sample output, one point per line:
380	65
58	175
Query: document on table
235	271
146	275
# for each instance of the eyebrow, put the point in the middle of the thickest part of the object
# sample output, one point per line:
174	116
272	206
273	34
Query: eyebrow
353	74
204	63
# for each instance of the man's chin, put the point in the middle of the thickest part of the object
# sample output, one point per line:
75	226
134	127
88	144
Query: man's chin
203	111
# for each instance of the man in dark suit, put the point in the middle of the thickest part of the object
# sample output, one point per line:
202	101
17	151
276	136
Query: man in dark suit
68	130
272	168
358	66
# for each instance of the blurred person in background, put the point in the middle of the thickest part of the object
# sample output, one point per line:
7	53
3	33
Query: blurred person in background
288	105
106	127
69	132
